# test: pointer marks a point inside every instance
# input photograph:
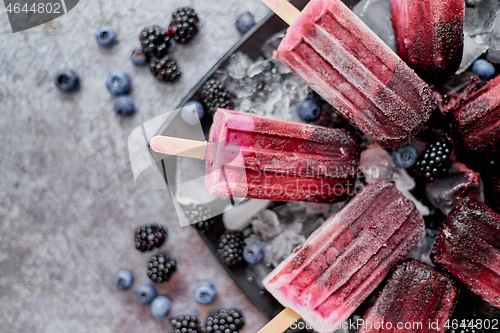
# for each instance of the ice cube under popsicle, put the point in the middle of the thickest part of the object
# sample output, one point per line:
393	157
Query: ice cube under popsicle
340	58
342	262
264	158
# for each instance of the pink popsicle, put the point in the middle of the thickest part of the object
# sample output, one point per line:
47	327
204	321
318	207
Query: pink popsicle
343	261
429	35
280	160
339	57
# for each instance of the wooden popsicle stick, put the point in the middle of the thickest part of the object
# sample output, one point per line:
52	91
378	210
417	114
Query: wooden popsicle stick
283	9
281	322
179	147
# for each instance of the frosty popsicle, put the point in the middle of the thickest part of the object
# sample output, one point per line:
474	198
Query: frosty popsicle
343	261
478	121
339	57
283	160
415	295
264	158
429	35
468	246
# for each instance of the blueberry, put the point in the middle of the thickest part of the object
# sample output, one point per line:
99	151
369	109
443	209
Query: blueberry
484	69
192	112
138	57
118	82
405	157
253	253
144	293
66	80
105	36
309	109
244	22
124	105
160	306
124	279
204	293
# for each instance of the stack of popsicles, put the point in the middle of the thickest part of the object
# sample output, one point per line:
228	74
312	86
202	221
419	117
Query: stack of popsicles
343	261
468	246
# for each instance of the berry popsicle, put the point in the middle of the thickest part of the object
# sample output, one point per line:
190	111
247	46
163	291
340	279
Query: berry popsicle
342	262
340	58
283	160
415	295
468	246
478	121
429	35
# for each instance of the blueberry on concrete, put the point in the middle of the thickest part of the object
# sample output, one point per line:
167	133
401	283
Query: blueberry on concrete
204	293
124	279
105	36
160	306
144	293
118	82
309	109
66	80
244	22
124	105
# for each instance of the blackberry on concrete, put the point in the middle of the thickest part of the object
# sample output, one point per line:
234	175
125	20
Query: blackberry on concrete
184	25
227	321
155	41
161	267
205	225
150	236
434	161
214	96
185	324
165	69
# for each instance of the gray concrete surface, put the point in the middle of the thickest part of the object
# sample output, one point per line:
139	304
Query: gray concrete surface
68	201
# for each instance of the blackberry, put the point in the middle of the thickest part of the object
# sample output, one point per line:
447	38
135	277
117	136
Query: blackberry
466	330
184	25
161	267
204	225
227	321
150	236
165	69
214	96
185	324
231	247
434	161
155	41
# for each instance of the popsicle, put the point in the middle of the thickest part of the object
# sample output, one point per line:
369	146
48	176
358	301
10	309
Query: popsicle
264	158
468	246
429	35
415	295
340	58
283	160
343	261
478	121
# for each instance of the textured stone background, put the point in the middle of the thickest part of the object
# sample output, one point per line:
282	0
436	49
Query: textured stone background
68	201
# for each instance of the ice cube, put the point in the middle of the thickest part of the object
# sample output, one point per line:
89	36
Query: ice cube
478	26
271	44
238	65
266	225
291	212
461	182
377	164
377	16
282	246
423	249
493	54
239	217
